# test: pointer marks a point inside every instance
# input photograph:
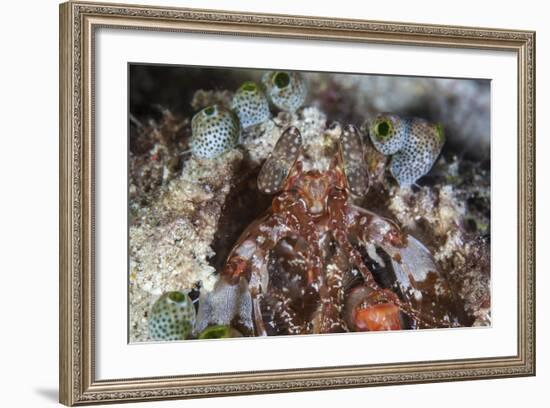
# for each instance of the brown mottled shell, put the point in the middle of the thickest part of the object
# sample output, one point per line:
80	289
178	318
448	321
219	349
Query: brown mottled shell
355	166
279	163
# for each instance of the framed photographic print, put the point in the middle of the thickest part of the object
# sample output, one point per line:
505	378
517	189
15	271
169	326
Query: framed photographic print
259	203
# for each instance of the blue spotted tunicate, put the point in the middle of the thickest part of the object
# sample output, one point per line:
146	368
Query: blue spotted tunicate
219	332
250	104
388	133
286	90
172	317
216	130
414	143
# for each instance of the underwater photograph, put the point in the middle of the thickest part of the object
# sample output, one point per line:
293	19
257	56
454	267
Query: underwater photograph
266	203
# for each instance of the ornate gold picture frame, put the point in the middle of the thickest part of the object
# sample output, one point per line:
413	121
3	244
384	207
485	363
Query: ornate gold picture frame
79	23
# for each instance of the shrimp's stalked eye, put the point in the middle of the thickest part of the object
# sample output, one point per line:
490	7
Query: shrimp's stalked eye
172	317
355	166
276	168
387	133
215	130
287	91
250	104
